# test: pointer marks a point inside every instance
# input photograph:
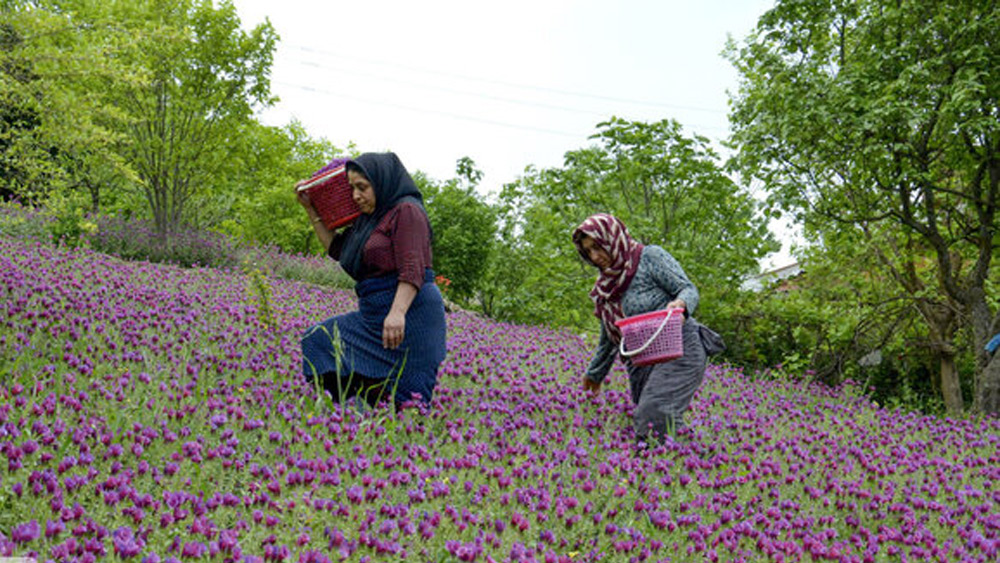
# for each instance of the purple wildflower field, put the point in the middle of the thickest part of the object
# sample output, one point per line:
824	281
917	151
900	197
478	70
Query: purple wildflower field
151	413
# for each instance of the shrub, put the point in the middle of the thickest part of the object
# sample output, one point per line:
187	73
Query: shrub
135	239
22	222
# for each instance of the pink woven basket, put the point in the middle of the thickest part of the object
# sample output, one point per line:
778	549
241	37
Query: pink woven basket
652	338
331	196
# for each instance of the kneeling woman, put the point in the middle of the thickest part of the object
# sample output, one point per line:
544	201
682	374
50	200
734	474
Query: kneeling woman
393	344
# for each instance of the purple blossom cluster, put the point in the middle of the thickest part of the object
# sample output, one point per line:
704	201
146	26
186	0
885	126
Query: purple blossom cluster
138	239
148	414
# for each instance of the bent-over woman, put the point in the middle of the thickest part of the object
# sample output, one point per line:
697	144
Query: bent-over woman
393	344
634	279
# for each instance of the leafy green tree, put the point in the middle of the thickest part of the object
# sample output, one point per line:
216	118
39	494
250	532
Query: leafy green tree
535	275
831	322
203	77
464	228
669	189
103	95
256	202
21	155
55	132
881	118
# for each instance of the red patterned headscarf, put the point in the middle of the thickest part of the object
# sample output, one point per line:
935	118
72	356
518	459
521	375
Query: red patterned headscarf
611	235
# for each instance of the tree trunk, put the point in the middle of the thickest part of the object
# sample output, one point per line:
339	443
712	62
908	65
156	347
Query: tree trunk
951	387
95	196
984	326
941	322
988	387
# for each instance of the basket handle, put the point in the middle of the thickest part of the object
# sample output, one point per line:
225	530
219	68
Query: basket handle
320	178
621	345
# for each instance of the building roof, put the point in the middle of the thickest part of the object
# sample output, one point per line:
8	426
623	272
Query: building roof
763	279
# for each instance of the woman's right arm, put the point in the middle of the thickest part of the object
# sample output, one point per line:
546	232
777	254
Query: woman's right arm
324	234
600	365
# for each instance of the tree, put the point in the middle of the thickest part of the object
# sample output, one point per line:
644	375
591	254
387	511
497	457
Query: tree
464	228
255	201
882	118
55	133
668	188
839	318
204	76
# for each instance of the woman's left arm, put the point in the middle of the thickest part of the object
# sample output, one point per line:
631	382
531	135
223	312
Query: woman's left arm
671	278
411	254
394	326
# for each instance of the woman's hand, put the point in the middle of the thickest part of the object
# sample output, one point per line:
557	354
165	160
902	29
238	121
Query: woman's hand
590	385
302	196
393	330
394	326
677	304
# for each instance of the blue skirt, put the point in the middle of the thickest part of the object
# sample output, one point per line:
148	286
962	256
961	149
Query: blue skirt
411	368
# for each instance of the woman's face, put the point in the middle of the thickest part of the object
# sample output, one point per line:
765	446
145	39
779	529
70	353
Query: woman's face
598	256
361	191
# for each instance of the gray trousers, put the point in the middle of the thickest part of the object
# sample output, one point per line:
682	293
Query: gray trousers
663	392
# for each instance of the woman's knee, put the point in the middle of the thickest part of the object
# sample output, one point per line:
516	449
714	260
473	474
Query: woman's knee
658	418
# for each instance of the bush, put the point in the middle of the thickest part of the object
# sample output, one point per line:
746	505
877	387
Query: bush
22	222
134	239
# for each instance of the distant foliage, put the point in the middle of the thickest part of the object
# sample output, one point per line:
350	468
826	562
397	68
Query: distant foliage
135	239
256	201
670	189
875	123
22	222
464	227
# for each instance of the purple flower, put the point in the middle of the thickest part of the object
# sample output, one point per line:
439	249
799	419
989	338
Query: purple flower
218	420
25	533
313	557
125	543
193	550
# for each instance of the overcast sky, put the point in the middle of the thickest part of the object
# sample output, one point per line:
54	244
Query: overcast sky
507	83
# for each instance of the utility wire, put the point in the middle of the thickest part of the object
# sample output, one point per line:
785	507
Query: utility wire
477	94
661	105
431	111
457	116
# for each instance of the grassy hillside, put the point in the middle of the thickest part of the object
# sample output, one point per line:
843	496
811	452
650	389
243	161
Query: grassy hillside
155	413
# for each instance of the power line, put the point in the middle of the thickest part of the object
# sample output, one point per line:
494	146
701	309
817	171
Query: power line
451	115
503	83
477	94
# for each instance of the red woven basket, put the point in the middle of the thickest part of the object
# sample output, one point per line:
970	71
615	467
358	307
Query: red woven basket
331	196
652	338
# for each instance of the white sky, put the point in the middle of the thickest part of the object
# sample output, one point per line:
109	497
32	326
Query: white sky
507	83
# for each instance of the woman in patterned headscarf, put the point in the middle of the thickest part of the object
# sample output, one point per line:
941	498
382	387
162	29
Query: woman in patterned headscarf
633	279
393	344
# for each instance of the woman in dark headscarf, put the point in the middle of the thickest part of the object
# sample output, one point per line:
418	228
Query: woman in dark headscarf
394	343
633	279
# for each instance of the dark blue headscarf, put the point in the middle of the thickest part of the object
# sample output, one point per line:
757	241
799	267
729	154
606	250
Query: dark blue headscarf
393	185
